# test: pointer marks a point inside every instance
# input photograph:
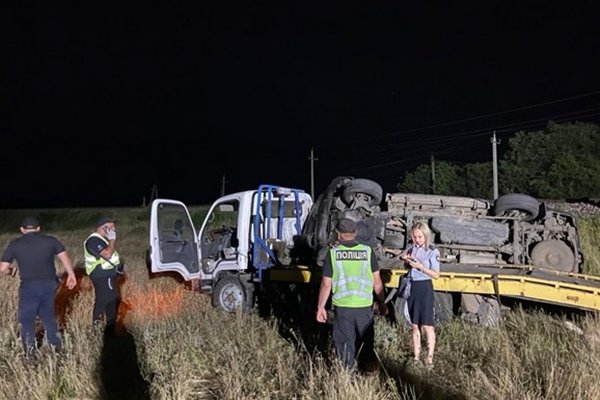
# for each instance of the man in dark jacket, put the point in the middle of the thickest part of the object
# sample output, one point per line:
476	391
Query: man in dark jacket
34	253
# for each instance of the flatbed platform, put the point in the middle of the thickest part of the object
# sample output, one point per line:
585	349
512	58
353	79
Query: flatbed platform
522	282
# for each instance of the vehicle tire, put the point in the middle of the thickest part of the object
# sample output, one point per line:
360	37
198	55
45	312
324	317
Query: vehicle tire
517	201
489	312
401	312
230	294
365	186
553	254
148	255
443	307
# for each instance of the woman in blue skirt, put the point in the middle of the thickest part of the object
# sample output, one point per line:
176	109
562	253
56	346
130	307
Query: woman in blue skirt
423	259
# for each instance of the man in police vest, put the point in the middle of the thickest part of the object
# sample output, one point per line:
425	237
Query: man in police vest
351	273
102	264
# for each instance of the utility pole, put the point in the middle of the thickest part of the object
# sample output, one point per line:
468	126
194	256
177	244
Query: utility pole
154	193
432	161
312	159
223	181
495	164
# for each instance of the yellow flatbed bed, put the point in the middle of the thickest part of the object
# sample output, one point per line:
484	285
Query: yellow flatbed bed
522	282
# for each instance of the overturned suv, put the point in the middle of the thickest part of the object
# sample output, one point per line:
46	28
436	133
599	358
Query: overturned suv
513	229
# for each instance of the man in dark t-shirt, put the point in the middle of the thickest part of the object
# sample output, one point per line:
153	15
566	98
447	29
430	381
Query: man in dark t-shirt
34	253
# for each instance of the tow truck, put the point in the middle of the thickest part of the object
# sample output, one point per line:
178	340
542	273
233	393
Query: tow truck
491	253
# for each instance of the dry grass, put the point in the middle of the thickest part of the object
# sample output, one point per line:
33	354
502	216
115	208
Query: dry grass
589	229
184	349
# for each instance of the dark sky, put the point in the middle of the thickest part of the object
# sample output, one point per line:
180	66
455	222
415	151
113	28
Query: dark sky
98	103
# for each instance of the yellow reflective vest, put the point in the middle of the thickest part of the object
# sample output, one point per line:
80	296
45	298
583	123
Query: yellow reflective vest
352	278
93	261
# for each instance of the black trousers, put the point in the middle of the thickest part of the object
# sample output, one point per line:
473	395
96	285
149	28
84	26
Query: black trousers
36	298
106	300
353	332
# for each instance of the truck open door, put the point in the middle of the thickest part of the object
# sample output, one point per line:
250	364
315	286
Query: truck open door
173	240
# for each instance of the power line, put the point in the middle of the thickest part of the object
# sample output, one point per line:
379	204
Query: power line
449	139
443	124
453	138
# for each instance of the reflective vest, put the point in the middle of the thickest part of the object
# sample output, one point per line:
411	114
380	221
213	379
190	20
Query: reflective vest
352	280
92	261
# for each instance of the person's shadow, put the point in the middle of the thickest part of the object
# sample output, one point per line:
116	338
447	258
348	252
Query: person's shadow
119	371
120	376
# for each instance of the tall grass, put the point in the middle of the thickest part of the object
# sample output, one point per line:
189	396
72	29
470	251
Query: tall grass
182	348
589	233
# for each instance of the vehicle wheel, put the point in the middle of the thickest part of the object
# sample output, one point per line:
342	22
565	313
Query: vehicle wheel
149	259
401	312
489	312
363	186
231	295
507	204
553	254
443	307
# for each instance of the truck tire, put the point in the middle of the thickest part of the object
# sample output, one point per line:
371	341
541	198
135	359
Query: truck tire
554	254
401	312
366	186
489	313
443	307
517	201
231	295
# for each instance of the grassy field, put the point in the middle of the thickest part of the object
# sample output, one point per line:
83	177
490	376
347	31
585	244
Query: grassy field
174	345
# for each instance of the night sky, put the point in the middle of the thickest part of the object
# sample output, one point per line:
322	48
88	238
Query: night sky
99	103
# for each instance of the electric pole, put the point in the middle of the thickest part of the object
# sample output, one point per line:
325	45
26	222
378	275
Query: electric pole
495	164
432	161
223	181
312	159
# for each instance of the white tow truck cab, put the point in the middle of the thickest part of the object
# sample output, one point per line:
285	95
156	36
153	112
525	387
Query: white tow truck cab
242	236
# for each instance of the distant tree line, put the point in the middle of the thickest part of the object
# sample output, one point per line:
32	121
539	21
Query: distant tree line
560	161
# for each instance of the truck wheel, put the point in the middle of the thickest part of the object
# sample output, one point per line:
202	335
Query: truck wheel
523	203
231	295
401	312
489	312
365	186
553	254
443	306
149	259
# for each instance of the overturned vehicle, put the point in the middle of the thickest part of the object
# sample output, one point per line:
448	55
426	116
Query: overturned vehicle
491	252
514	229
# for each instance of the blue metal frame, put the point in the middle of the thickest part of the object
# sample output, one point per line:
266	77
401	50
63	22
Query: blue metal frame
261	242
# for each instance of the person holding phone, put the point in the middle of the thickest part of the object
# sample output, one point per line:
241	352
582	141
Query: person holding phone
102	264
423	261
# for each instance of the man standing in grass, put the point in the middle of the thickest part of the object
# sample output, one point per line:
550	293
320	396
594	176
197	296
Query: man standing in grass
351	273
102	264
34	253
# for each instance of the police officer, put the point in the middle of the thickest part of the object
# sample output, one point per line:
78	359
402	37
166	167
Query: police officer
351	273
102	264
34	253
